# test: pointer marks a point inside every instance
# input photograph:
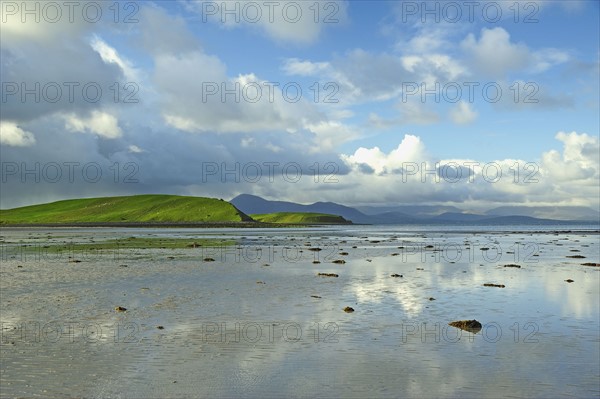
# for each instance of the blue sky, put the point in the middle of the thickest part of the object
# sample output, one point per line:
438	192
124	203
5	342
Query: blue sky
373	58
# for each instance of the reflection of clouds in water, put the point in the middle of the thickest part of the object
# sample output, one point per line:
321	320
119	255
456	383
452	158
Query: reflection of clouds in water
574	299
381	286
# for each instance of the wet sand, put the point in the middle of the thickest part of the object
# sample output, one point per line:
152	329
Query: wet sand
245	313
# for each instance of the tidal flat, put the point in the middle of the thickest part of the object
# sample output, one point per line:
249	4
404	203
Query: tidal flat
172	313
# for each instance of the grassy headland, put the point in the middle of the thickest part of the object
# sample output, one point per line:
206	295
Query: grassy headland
153	210
130	209
299	218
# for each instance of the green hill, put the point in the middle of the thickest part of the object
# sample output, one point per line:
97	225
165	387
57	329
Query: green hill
299	218
129	209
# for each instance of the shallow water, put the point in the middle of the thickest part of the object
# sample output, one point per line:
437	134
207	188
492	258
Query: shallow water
246	325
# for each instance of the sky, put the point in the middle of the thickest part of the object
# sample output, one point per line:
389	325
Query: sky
473	104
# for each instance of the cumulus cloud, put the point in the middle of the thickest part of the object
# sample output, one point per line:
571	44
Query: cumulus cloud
408	174
13	135
100	123
494	55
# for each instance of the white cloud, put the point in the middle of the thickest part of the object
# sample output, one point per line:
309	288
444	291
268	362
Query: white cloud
111	56
463	113
411	149
100	123
134	149
494	54
13	135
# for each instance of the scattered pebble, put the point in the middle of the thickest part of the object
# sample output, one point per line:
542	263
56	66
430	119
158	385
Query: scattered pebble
208	260
569	280
396	275
339	261
513	265
120	309
348	309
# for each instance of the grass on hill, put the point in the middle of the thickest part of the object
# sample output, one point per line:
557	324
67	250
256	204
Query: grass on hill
299	218
128	209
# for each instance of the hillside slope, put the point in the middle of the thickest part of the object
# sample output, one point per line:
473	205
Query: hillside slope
128	209
299	218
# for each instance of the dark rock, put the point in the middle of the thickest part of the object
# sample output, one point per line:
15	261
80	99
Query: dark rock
316	262
208	260
315	296
591	264
472	326
348	309
576	256
494	285
339	261
120	309
569	280
327	274
315	249
513	265
396	275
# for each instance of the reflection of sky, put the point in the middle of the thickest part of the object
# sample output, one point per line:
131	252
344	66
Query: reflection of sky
370	358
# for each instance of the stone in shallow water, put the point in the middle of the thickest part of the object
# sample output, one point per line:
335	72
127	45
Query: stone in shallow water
120	309
348	309
494	285
472	326
327	275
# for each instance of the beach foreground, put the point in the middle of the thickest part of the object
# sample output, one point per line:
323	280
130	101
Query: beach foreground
260	313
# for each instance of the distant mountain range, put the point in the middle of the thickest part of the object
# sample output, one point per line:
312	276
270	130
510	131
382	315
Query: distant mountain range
424	214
